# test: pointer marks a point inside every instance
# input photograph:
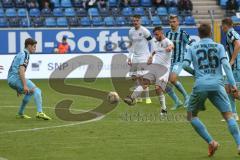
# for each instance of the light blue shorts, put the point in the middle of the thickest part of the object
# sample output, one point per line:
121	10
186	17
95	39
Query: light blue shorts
218	98
18	86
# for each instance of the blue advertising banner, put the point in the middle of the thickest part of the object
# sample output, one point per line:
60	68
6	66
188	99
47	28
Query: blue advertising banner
82	40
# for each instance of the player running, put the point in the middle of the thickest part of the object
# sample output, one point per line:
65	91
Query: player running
180	39
233	49
158	69
17	81
139	37
208	58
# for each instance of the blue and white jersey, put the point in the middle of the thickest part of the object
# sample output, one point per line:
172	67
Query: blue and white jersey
180	39
231	37
21	59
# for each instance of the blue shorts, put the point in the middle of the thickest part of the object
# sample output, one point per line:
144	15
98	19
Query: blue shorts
218	98
18	86
176	68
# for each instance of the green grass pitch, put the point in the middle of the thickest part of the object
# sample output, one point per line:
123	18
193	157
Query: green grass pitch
124	134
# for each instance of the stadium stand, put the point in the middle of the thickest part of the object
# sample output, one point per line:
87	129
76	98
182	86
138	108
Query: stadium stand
74	13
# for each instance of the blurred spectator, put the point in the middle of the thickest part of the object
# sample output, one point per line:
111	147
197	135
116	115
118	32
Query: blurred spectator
185	6
231	7
63	47
158	3
32	4
20	2
90	4
45	4
124	3
102	4
171	3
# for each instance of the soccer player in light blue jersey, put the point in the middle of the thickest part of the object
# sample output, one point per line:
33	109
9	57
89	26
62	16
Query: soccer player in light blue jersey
17	81
180	39
233	49
208	58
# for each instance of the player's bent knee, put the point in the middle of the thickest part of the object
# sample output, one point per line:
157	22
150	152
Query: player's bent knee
146	82
134	78
37	91
158	90
173	78
191	116
168	89
227	115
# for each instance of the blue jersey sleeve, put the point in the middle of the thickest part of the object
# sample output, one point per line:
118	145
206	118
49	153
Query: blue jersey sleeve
186	38
188	55
187	61
228	71
222	53
23	60
226	65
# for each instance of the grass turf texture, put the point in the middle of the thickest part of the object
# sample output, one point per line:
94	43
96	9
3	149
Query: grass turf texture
114	137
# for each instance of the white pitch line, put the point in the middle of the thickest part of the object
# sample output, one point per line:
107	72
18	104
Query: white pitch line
50	127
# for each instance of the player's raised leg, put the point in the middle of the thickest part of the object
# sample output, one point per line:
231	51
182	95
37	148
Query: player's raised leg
131	99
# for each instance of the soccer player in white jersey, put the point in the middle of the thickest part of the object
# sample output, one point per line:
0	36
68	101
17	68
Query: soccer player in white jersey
158	69
139	53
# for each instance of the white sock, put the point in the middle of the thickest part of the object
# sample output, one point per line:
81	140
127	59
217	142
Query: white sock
137	91
162	101
146	92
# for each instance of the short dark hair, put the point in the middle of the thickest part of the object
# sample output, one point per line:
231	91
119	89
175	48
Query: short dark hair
227	21
172	16
30	41
137	16
204	30
159	28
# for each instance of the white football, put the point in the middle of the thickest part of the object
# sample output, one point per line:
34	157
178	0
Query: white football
113	97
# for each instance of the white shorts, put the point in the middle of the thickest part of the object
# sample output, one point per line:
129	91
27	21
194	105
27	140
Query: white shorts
158	75
138	69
